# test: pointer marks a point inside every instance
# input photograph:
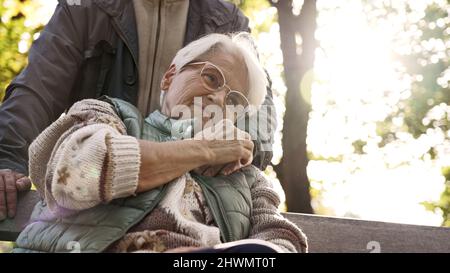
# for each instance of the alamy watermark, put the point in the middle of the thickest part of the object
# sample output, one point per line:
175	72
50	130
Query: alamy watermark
73	247
374	247
222	122
74	2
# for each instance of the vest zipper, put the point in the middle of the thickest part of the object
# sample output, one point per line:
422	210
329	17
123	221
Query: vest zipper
221	221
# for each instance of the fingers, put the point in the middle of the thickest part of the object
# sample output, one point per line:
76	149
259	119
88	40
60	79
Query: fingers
248	155
200	170
3	213
10	183
248	144
213	170
228	151
231	168
209	170
231	148
23	183
244	151
11	193
245	158
235	166
222	130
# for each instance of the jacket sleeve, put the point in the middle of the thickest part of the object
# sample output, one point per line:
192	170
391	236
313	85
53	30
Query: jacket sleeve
268	224
41	92
90	158
264	133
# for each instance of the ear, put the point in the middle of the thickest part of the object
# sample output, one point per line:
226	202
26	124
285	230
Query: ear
168	77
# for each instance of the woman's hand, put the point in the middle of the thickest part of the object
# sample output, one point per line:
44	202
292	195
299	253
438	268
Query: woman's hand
163	162
231	148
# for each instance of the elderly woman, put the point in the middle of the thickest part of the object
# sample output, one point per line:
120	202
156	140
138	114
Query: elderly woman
112	181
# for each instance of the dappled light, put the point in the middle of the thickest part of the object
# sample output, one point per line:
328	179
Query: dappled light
375	98
366	161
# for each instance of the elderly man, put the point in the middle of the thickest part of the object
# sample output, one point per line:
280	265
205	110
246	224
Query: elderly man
99	47
114	182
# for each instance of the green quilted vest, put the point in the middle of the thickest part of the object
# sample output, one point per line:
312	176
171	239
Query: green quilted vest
95	229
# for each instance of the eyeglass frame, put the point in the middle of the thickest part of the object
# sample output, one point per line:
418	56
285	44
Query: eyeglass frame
204	63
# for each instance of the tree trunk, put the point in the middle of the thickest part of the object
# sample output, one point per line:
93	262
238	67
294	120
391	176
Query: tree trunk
292	169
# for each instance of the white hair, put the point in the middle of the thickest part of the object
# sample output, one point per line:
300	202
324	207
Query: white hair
240	42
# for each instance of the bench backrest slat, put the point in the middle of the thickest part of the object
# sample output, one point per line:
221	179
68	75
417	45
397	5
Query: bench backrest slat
331	234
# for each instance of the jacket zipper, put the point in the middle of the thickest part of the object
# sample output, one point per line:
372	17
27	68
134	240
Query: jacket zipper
158	30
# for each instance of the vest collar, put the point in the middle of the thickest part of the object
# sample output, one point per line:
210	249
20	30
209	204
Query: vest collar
176	128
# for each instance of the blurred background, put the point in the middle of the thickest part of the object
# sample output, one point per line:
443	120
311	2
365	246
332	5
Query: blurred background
362	95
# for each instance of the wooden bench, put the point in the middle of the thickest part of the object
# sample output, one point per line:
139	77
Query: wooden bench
325	234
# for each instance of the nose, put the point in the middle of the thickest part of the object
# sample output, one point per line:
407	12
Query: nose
218	97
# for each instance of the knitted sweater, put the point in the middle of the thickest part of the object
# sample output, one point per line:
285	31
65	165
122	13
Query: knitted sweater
93	161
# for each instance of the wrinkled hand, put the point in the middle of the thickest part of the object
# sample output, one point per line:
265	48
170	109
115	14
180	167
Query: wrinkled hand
10	183
231	147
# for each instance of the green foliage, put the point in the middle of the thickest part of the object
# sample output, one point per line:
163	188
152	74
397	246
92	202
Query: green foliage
428	94
426	64
251	8
426	67
13	30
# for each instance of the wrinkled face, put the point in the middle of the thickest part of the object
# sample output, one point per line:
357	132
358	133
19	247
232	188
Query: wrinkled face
188	83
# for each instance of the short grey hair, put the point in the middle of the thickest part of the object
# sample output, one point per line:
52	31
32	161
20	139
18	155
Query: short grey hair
244	45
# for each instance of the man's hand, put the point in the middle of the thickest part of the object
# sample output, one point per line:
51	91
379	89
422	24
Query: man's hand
10	183
226	141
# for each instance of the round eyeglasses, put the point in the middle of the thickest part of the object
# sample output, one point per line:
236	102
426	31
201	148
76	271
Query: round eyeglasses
213	80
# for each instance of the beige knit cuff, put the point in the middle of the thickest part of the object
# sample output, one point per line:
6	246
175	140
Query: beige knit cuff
97	111
82	106
122	167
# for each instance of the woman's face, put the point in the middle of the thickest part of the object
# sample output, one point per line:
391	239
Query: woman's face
186	85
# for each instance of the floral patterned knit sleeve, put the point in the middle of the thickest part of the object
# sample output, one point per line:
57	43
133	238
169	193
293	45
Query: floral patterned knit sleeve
85	158
268	224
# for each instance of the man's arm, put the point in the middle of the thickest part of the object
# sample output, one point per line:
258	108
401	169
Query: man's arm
41	92
37	97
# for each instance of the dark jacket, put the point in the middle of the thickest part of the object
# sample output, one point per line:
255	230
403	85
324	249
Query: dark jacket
89	50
